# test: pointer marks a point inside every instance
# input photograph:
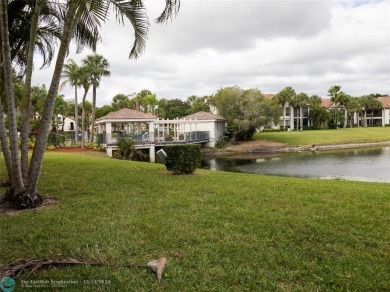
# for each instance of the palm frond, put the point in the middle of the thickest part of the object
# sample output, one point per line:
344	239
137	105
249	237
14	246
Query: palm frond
16	268
171	9
135	12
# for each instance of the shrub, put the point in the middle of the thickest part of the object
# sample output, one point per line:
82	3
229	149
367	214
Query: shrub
332	125
126	146
273	130
128	151
56	139
182	159
221	142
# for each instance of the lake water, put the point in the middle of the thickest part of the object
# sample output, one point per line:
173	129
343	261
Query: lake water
368	164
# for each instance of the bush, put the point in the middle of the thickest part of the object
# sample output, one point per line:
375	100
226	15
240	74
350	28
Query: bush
56	139
182	159
221	142
273	130
332	125
127	151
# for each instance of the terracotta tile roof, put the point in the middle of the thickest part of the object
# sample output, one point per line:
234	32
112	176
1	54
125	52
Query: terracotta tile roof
269	95
127	114
326	102
203	116
385	100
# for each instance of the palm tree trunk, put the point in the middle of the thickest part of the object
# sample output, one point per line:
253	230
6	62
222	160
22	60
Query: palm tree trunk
9	91
5	148
76	117
365	117
44	129
93	114
26	107
83	120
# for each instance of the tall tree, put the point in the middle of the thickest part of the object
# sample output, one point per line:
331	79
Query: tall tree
120	101
301	100
143	100
16	175
318	116
336	96
71	74
198	104
60	109
369	102
104	110
353	106
314	101
245	110
172	108
97	67
91	14
283	97
86	84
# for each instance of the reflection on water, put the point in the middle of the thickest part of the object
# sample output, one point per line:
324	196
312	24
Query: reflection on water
368	164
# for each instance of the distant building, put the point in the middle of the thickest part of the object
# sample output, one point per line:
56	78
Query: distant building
65	124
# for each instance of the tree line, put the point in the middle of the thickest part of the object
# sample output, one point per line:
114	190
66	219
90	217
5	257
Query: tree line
29	27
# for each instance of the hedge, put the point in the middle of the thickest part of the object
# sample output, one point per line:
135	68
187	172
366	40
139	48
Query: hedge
182	159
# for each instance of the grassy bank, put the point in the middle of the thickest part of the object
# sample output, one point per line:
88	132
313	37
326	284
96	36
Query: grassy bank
219	231
327	137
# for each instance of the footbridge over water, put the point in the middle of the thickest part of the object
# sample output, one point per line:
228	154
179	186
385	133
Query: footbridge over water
149	132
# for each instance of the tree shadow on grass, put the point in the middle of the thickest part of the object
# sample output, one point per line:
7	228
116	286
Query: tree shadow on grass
6	207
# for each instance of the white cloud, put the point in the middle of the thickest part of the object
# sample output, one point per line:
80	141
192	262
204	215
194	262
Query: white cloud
309	45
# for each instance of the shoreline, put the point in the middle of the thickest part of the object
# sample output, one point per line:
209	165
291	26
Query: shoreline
265	147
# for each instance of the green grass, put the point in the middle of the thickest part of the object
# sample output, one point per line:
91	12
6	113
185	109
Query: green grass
219	231
327	137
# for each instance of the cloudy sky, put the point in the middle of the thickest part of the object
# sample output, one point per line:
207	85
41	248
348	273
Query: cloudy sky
309	45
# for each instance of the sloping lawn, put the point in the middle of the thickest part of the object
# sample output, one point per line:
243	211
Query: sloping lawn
219	231
326	137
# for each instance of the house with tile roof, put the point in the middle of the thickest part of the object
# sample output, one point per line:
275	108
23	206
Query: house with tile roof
385	101
374	117
214	124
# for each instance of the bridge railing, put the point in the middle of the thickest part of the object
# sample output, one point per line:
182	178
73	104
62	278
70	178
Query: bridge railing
139	139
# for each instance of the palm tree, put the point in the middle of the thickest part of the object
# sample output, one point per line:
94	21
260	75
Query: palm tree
283	97
90	13
60	108
335	92
72	75
97	68
301	100
369	102
42	19
120	101
85	81
13	153
343	101
352	106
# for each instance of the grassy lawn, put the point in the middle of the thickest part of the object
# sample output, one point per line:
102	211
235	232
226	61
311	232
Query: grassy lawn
219	231
326	137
